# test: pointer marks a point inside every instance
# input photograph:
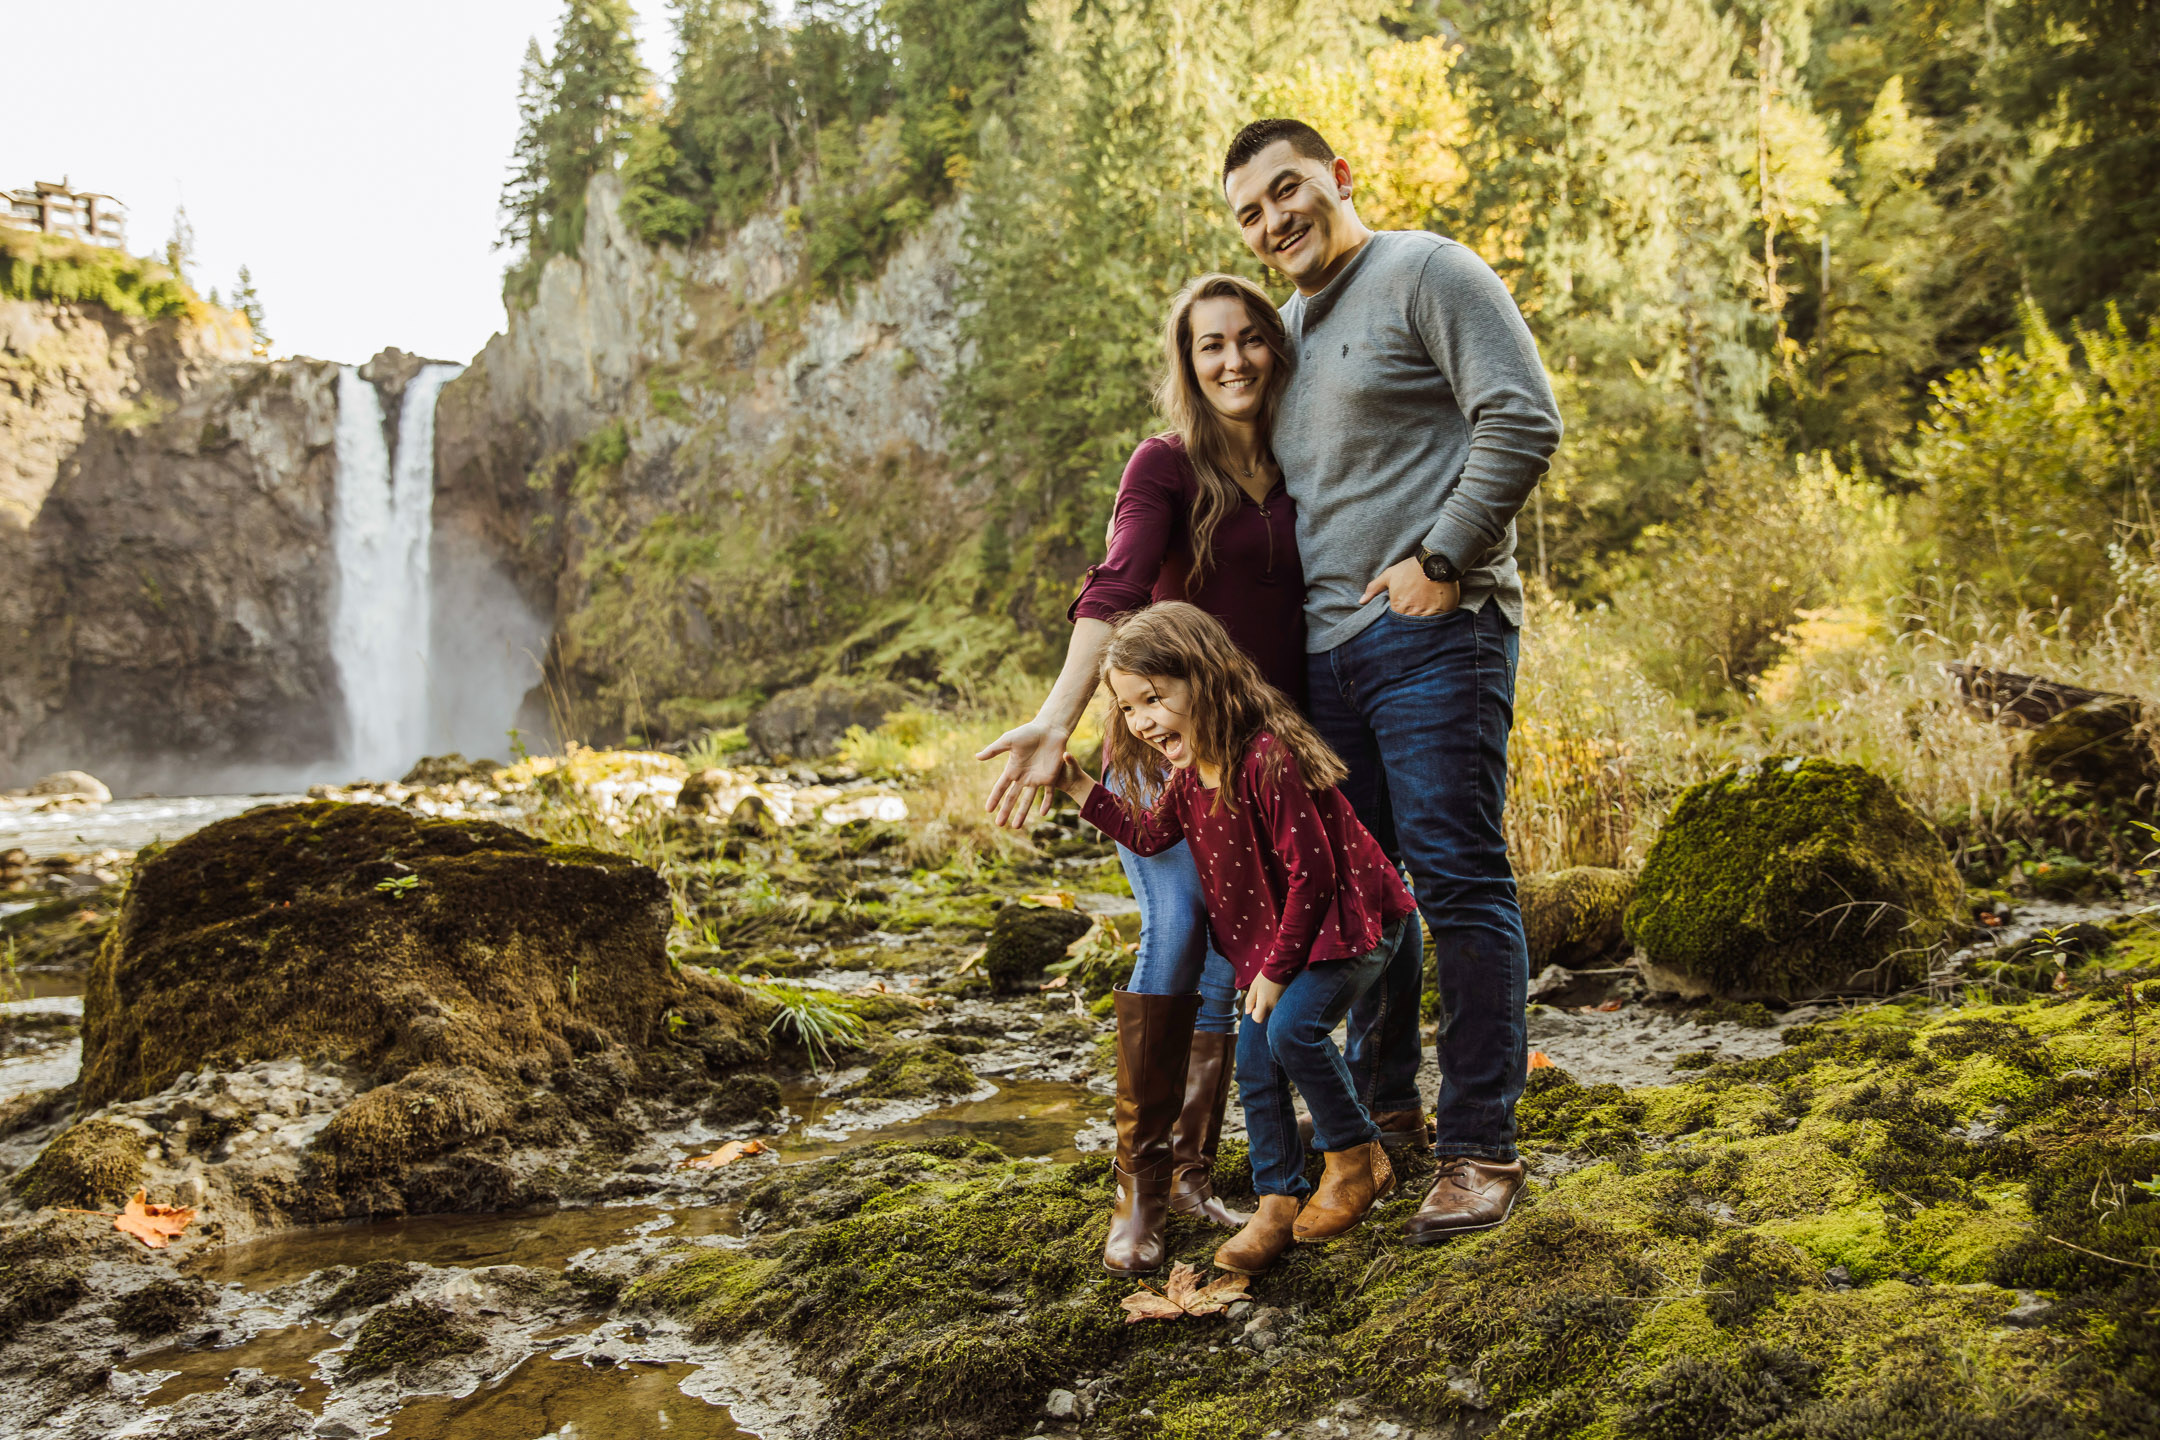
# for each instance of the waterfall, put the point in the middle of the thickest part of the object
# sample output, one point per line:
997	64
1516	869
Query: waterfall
381	627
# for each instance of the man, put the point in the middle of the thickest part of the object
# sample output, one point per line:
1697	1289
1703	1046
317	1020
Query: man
1417	423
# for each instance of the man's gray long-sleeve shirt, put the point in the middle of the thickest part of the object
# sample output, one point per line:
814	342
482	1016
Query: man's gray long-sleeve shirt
1418	414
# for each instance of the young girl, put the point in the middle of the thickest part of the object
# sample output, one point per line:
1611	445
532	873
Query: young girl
1299	898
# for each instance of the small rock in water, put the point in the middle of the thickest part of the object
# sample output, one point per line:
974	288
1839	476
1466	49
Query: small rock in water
1060	1405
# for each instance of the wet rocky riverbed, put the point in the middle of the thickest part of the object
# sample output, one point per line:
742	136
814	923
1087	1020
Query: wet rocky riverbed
499	1317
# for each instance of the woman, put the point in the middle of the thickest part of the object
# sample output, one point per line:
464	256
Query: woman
1201	516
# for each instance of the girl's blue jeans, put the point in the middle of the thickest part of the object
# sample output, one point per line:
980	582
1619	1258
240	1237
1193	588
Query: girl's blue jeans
1291	1047
1175	957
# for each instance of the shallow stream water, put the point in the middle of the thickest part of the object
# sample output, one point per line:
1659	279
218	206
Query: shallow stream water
543	1398
122	824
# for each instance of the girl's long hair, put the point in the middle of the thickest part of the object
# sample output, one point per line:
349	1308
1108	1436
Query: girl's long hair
1194	421
1231	704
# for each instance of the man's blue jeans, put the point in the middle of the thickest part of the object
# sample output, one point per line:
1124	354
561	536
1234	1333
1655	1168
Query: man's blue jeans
1419	708
1175	957
1292	1047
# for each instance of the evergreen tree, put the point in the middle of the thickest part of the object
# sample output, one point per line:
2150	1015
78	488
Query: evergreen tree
574	120
180	246
2086	73
249	304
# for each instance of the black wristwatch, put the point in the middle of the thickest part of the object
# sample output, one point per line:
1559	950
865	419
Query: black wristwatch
1437	567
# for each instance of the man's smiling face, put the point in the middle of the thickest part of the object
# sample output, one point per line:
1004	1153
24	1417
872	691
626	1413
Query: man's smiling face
1291	210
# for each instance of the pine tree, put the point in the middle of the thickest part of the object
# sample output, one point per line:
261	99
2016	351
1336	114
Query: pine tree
180	246
249	304
524	193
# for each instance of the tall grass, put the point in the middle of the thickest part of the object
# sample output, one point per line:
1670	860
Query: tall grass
930	755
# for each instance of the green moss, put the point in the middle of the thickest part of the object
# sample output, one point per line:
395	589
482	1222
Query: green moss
1573	917
92	1166
407	1337
161	1307
369	1284
913	1070
434	1109
41	1276
1792	876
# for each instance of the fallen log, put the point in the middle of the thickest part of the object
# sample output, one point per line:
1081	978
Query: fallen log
2023	701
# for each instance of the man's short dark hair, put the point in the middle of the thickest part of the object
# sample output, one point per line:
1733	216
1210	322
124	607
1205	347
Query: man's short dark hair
1257	136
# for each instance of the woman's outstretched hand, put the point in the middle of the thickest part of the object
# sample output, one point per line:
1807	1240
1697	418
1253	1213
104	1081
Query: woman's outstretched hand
1033	753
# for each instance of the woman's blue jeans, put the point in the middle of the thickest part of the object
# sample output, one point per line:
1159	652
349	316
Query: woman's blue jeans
1175	957
1291	1047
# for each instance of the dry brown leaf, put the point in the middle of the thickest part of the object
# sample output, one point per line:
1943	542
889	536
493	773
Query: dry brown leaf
972	957
727	1154
1611	1005
1539	1060
155	1225
1183	1296
1053	900
1057	984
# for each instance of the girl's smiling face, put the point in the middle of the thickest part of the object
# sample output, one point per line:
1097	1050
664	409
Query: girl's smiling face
1158	711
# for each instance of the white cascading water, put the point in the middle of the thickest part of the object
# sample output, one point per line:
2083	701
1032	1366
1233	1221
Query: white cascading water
380	631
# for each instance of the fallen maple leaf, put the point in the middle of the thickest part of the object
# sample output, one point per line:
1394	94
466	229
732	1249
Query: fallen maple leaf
1539	1060
1611	1005
1053	900
727	1154
1183	1296
155	1225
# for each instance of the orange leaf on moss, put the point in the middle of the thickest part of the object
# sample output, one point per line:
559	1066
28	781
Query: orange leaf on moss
1539	1060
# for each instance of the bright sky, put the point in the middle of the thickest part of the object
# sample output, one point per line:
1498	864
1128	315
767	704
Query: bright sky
349	156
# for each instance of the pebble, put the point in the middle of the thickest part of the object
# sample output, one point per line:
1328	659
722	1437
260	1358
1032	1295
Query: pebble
1060	1405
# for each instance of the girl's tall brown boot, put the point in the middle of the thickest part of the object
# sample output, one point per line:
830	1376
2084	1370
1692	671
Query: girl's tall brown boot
1199	1128
1154	1042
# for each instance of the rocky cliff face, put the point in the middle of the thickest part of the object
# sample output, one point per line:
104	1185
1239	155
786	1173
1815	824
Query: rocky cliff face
164	516
712	483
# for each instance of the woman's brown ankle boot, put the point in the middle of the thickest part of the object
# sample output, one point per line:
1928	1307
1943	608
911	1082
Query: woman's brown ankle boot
1199	1128
1355	1178
1154	1037
1265	1237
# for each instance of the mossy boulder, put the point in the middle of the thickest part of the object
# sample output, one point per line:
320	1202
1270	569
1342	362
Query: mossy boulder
2101	748
434	1109
162	1306
1025	938
914	1070
406	1337
811	720
92	1166
365	934
1573	917
1794	877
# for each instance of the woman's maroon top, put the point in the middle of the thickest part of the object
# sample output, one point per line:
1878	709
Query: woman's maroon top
1255	586
1289	876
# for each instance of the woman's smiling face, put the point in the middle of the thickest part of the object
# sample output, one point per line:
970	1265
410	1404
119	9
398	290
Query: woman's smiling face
1158	711
1230	357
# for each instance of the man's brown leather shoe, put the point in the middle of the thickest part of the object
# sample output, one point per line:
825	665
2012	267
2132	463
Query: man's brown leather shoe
1355	1178
1397	1128
1199	1128
1467	1194
1403	1127
1263	1240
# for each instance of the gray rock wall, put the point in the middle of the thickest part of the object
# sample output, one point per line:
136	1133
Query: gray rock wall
164	550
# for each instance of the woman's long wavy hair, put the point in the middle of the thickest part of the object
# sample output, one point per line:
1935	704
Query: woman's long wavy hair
1231	704
1194	421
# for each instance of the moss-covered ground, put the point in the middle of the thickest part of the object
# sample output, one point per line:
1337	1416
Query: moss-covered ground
1915	1220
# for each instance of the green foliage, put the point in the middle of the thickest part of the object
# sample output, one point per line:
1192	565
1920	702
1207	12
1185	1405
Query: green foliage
2034	466
1793	875
868	110
818	1020
66	272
